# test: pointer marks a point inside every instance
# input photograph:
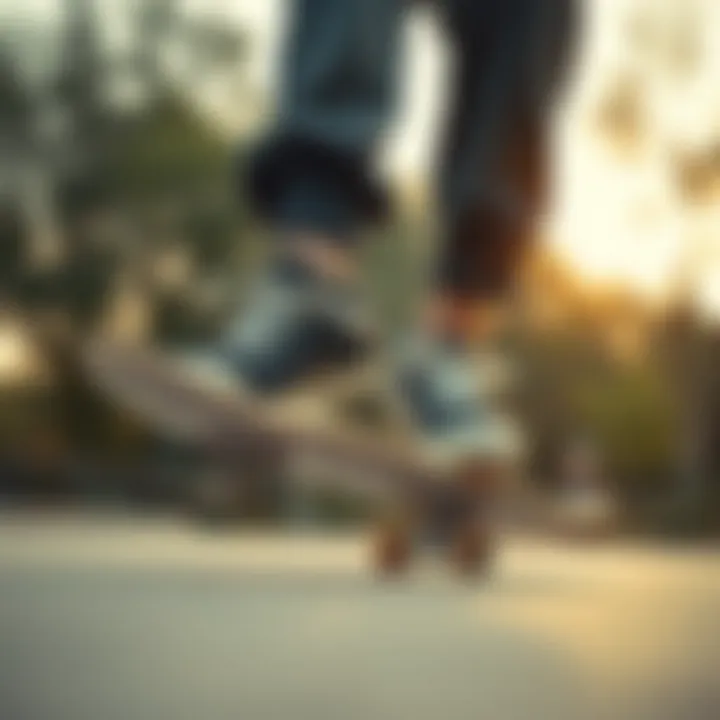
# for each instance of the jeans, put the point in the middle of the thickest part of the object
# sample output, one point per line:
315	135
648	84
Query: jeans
313	172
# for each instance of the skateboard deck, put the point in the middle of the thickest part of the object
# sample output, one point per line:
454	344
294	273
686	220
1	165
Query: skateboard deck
222	420
254	439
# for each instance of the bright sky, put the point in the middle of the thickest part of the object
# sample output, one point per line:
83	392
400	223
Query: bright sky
622	219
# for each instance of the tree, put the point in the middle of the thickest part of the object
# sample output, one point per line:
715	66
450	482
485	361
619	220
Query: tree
120	171
15	103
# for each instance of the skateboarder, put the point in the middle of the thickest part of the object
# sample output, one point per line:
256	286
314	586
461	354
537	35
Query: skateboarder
312	181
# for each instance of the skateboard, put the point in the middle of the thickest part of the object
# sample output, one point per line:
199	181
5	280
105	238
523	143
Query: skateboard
249	442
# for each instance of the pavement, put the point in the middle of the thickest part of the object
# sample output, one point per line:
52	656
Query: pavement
115	618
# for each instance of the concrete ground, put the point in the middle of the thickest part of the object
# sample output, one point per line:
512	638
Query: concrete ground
118	619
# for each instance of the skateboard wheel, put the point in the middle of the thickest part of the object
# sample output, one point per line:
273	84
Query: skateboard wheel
393	547
471	551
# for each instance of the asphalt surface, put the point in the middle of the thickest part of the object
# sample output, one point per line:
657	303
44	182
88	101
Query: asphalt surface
115	619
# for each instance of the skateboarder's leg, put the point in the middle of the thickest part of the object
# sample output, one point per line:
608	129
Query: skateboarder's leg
509	56
312	181
510	62
312	177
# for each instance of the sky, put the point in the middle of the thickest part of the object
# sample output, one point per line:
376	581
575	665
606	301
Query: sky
621	218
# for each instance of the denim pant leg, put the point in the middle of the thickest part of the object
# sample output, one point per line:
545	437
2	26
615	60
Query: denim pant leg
509	58
314	171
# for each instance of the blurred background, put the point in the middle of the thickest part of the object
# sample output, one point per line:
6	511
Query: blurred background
123	124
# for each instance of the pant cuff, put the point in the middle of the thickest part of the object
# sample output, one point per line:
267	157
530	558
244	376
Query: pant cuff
299	184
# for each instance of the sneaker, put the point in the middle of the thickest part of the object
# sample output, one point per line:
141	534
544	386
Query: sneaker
296	327
449	398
